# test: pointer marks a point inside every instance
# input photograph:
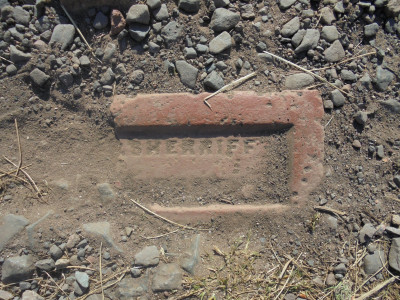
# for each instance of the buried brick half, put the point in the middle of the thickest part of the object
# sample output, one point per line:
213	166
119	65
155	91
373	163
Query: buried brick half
301	111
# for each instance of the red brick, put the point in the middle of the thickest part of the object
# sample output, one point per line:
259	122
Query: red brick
301	109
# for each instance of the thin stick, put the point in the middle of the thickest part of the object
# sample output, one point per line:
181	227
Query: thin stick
79	267
345	61
162	218
326	125
6	60
80	33
284	268
100	271
308	72
377	288
373	275
51	278
19	147
7	173
284	286
105	287
330	210
27	176
233	84
16	177
159	236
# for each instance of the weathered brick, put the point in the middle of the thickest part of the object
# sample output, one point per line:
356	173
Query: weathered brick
301	111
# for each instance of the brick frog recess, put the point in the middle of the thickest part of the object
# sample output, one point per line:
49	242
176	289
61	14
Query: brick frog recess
177	135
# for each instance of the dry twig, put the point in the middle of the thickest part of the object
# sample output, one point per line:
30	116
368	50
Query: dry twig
308	72
162	218
345	61
232	85
80	33
19	147
9	173
100	271
5	59
330	210
159	236
27	176
377	288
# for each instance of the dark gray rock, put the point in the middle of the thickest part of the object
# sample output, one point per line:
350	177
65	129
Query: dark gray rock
108	77
130	288
329	33
310	41
171	33
298	81
220	43
190	6
31	295
137	77
383	78
55	252
335	52
66	79
100	21
138	13
340	269
348	75
6	12
285	4
167	277
101	230
154	48
12	225
392	230
84	61
189	53
366	233
213	81
327	16
39	77
380	153
298	37
337	98
3	294
62	263
291	27
138	32
392	8
201	49
221	3
153	4
161	13
392	105
147	257
3	3
109	51
11	70
82	279
371	30
17	268
396	180
17	56
394	254
187	73
45	264
191	258
63	35
361	117
223	19
247	12
21	16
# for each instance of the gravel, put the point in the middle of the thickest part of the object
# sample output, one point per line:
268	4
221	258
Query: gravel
147	257
101	21
63	35
291	27
190	6
138	13
329	33
17	268
335	52
213	81
310	41
337	98
298	81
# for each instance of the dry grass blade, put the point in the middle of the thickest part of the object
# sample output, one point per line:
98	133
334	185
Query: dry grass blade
345	61
330	210
286	282
101	271
9	173
80	33
5	59
231	85
377	288
284	268
162	218
58	287
159	236
19	147
308	72
27	176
